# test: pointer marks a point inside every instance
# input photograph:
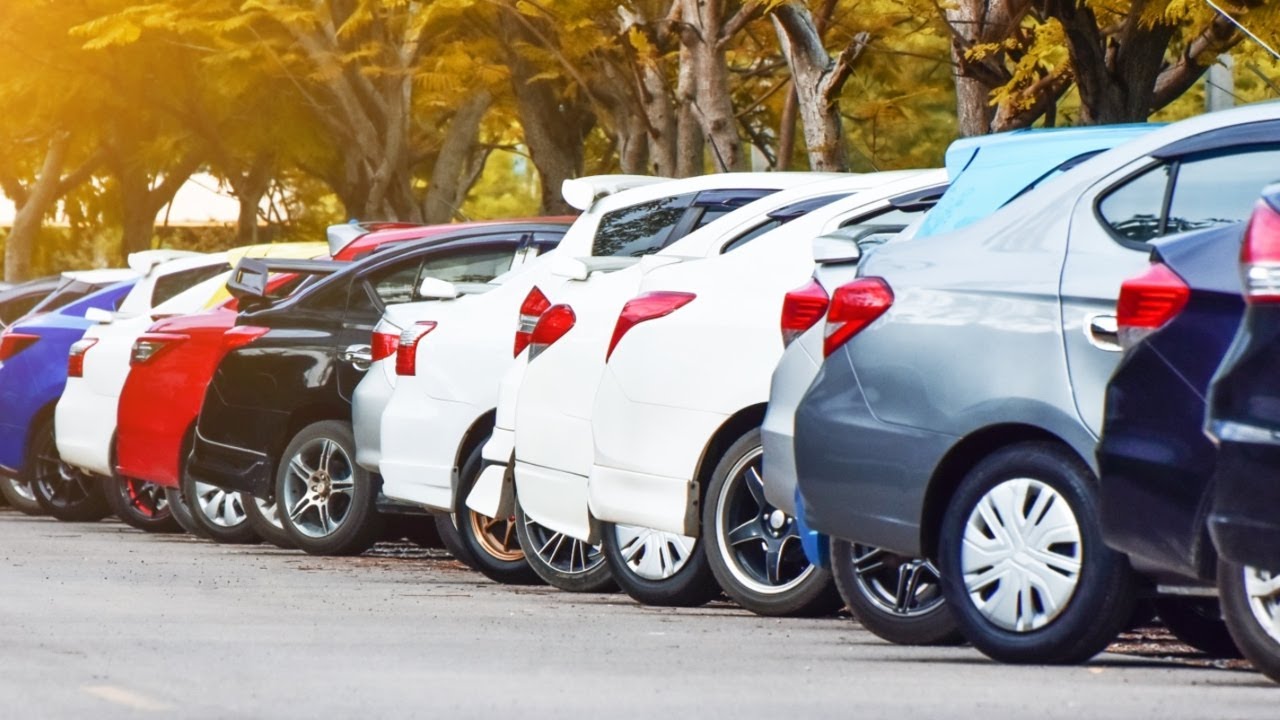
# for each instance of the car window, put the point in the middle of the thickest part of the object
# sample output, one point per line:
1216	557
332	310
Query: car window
1219	190
396	284
780	217
1134	209
361	308
172	284
751	234
17	308
474	265
67	293
640	229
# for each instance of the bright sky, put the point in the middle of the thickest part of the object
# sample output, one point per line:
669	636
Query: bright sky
198	202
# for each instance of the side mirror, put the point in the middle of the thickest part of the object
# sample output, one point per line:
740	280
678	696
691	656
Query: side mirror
571	268
98	315
436	289
836	248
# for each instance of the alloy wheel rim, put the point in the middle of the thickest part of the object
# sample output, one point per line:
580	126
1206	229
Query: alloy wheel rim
1262	589
319	489
896	584
145	498
653	554
1022	555
497	536
223	508
270	509
59	483
566	555
21	489
759	543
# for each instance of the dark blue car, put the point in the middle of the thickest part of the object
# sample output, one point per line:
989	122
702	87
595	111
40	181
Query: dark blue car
1156	465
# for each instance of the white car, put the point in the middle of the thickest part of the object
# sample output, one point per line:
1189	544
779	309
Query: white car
453	354
545	405
677	415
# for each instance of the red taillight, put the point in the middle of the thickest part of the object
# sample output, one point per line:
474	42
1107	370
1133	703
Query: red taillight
554	323
646	306
12	343
802	308
535	303
1147	302
147	347
241	335
1260	255
407	352
853	307
384	345
75	358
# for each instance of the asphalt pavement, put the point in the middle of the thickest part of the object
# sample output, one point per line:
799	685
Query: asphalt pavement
103	621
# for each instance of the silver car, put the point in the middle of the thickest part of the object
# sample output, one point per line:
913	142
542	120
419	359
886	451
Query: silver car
956	413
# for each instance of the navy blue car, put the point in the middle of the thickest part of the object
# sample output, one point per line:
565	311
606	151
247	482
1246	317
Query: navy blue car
1244	418
1176	321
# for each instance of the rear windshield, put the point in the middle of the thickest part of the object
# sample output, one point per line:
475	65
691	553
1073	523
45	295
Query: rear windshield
66	293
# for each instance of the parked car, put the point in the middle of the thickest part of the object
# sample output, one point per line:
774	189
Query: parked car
454	354
956	414
550	400
896	597
1243	421
18	300
1176	320
276	418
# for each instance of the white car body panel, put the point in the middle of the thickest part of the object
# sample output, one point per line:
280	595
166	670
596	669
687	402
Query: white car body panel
555	407
657	409
463	360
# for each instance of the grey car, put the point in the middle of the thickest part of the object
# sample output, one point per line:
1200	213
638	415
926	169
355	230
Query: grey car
956	413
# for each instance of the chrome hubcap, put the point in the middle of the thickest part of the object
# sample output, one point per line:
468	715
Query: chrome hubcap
760	543
319	488
1022	555
898	585
564	554
1262	588
270	510
220	507
653	554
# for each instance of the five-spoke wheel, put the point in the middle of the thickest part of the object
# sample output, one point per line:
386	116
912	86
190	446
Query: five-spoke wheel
327	503
63	491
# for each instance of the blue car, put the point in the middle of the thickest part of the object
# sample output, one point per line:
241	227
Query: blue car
1156	465
33	372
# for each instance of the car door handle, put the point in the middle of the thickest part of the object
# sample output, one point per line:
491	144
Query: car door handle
360	356
1103	332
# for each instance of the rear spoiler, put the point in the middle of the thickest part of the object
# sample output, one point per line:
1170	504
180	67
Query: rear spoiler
847	244
341	235
250	279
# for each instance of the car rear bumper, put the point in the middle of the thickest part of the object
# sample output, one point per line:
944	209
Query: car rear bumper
151	451
554	499
1245	522
420	440
794	374
230	468
627	497
85	425
368	402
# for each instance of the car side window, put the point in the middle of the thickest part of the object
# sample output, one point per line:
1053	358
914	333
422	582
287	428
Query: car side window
473	265
640	229
1220	189
173	284
1135	210
396	284
752	234
17	308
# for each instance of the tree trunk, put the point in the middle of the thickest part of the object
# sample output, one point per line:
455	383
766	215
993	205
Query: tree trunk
690	146
452	171
663	138
140	202
713	100
977	22
31	207
787	129
249	188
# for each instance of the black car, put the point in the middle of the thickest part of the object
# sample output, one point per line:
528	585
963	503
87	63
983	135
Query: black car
1244	419
1176	321
284	390
18	300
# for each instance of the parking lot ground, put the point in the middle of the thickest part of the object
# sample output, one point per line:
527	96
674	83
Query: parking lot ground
103	621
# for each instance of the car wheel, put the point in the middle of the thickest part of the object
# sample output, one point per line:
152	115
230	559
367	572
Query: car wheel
659	568
564	562
1250	600
1198	622
140	504
264	518
181	510
328	503
219	513
896	598
492	543
754	548
18	492
1023	564
63	491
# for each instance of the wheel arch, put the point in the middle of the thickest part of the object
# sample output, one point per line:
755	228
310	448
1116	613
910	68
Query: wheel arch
475	436
729	431
308	414
38	419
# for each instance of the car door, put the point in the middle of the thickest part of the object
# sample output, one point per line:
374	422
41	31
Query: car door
1191	186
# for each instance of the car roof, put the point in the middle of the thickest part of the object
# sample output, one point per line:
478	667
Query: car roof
372	240
715	181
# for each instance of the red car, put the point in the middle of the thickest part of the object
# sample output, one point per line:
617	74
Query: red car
171	367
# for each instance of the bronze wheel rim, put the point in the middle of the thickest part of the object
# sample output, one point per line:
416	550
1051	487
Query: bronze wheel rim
497	536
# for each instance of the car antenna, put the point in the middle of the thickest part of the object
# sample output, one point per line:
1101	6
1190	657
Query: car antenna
1244	29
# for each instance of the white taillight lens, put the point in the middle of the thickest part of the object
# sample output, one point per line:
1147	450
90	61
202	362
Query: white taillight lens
407	351
854	306
535	303
1148	302
802	308
75	359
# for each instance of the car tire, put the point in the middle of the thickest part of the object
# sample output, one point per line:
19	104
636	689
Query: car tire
753	548
1056	609
19	495
140	504
492	543
63	492
447	529
659	568
1251	608
328	503
219	513
1198	622
896	598
182	513
563	562
264	518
